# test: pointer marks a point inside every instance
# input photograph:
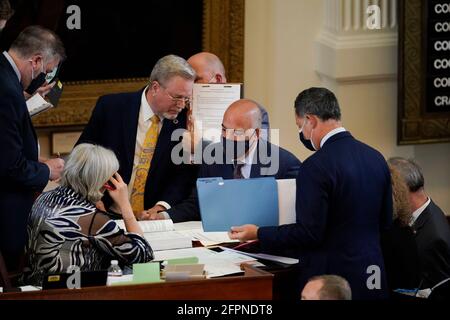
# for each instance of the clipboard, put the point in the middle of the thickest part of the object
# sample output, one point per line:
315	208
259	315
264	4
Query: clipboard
227	203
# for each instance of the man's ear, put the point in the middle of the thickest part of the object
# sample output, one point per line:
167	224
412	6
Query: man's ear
219	78
314	120
154	87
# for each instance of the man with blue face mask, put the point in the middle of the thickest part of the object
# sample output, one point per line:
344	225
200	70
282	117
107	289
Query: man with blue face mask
22	172
344	201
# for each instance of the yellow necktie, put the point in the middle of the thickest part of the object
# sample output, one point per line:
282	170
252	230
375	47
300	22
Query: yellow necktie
145	158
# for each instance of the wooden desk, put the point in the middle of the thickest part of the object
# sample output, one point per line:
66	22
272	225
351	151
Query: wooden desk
255	284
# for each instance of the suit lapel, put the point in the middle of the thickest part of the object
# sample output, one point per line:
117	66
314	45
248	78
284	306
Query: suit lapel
423	218
130	122
163	143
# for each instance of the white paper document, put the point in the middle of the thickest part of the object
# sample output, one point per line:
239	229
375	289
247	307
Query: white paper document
36	104
194	230
287	192
209	102
161	234
269	257
152	225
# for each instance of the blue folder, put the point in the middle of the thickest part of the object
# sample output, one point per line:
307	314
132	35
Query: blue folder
227	203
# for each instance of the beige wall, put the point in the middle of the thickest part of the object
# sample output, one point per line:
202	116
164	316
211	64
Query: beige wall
279	63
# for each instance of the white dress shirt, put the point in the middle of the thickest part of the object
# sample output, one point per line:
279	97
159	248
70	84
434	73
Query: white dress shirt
418	212
144	123
246	169
330	134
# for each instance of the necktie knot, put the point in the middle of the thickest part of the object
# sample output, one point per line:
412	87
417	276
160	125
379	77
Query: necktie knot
155	119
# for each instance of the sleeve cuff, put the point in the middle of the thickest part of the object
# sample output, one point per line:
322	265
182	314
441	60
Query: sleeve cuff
164	204
165	215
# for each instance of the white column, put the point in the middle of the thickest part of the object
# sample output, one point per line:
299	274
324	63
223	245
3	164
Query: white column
345	41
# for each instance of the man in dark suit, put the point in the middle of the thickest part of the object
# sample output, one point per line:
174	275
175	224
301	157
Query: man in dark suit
241	124
429	223
142	129
36	50
344	199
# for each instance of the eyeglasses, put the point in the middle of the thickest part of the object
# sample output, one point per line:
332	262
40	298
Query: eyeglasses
237	132
177	100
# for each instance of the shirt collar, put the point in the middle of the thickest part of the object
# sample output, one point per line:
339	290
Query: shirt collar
13	64
146	111
330	134
248	158
418	212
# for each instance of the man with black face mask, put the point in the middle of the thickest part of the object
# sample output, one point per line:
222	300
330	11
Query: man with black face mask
344	200
35	50
242	154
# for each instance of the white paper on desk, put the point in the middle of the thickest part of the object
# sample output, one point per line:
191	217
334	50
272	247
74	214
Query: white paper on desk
287	193
215	266
194	230
151	225
167	240
209	102
269	257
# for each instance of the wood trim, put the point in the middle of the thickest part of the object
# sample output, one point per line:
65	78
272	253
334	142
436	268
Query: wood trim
223	34
414	125
254	285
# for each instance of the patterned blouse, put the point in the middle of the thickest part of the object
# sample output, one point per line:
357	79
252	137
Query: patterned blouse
65	229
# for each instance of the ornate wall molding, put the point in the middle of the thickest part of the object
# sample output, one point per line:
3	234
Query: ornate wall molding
223	34
414	126
346	50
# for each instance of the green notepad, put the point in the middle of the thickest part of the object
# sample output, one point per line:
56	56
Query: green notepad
146	272
188	260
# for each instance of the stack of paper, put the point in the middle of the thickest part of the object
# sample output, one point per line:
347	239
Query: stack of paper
216	264
161	235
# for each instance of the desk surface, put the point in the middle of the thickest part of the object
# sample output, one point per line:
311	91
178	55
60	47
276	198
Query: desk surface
253	285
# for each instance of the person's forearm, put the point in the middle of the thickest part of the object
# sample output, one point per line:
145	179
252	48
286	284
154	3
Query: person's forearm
130	221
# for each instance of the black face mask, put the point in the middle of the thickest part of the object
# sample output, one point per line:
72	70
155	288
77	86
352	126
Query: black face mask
36	83
306	143
234	149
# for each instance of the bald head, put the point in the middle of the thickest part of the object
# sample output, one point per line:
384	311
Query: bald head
208	67
242	114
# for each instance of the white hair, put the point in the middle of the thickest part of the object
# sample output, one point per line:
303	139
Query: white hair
170	66
87	169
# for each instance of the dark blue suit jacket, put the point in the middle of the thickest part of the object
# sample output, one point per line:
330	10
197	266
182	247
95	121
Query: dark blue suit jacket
113	125
344	200
21	174
286	168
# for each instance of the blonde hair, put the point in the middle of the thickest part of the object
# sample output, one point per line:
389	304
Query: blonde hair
87	169
400	197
